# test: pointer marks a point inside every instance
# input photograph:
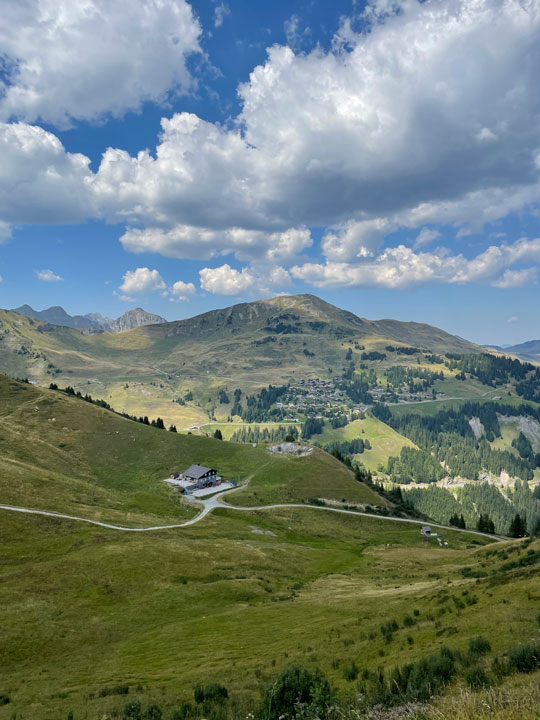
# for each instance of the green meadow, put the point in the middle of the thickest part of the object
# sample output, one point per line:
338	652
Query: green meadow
89	612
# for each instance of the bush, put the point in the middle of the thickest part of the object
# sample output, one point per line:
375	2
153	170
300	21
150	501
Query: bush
524	658
213	693
132	711
417	681
479	645
292	686
350	672
476	678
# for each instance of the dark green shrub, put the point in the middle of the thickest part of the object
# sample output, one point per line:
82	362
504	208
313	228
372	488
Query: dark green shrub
213	693
524	658
479	645
412	682
476	678
350	672
4	699
132	711
292	686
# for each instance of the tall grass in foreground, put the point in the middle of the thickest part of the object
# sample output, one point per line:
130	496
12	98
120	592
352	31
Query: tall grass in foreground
518	702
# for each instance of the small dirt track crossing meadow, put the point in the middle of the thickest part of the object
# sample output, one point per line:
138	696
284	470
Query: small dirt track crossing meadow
216	501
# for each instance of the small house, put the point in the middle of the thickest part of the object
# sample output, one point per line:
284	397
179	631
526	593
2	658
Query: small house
199	476
425	530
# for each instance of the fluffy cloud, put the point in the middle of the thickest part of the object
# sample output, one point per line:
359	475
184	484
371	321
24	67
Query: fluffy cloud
141	280
429	118
182	290
188	241
356	239
516	278
80	59
402	267
39	181
225	280
48	276
390	133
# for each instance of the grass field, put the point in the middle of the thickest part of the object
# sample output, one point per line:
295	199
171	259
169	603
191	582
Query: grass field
217	601
384	440
433	407
60	453
313	476
232	599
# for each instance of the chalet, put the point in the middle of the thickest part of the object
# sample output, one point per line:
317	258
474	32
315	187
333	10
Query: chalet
425	530
198	476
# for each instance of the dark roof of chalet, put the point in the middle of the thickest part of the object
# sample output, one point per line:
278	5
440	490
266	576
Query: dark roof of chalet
197	471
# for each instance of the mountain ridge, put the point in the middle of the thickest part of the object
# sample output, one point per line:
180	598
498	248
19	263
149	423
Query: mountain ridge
56	315
151	369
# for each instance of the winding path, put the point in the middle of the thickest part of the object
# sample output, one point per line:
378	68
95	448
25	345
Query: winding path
216	501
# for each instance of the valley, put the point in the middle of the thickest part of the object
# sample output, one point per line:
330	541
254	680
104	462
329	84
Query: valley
318	559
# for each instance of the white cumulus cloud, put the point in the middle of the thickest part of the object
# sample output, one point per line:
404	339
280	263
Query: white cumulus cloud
141	280
182	290
48	276
81	59
516	278
429	118
401	267
225	280
199	243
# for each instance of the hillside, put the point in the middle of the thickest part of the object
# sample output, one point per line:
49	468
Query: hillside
97	621
245	346
63	454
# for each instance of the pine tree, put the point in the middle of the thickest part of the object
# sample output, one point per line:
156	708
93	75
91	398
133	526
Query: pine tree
218	435
518	527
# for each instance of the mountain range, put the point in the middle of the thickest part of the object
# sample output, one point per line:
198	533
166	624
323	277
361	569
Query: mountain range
246	346
56	315
529	350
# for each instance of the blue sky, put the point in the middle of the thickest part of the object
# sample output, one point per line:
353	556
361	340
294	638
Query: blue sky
186	156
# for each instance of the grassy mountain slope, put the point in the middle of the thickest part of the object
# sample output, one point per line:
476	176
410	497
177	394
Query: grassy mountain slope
248	346
54	449
384	440
233	599
85	609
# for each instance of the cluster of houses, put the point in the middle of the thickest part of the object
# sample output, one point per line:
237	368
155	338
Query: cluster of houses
196	477
313	393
